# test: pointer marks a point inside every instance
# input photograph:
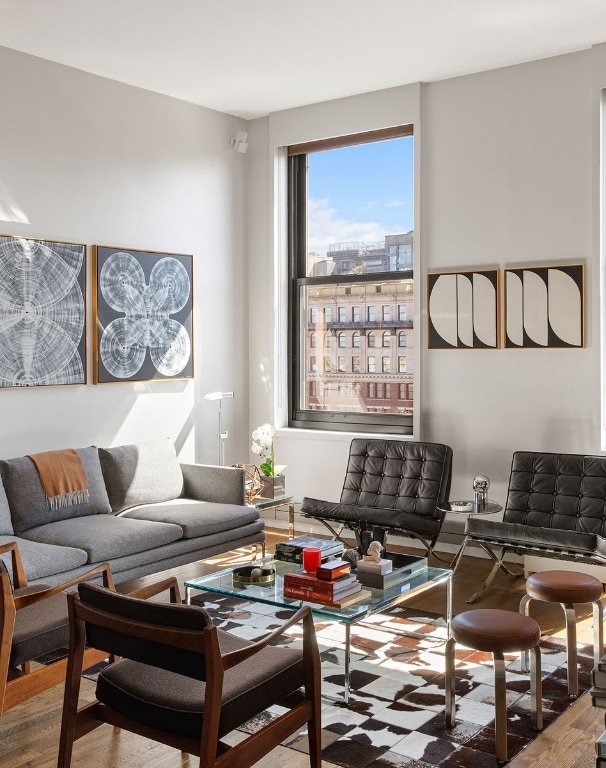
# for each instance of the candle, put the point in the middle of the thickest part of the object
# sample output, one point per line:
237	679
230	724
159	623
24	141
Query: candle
312	557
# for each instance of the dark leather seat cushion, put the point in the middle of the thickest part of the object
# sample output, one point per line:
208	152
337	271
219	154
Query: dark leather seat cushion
515	535
565	587
175	703
40	628
495	630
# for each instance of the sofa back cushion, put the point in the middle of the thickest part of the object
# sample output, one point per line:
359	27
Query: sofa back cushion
6	524
28	503
142	473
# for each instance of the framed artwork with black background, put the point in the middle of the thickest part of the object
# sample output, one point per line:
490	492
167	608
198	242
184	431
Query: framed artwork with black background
143	315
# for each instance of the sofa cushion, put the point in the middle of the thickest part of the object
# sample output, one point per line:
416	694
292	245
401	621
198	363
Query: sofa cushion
104	537
142	473
196	518
43	560
6	523
28	503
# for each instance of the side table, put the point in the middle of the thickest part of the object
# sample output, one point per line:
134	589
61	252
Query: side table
260	503
488	508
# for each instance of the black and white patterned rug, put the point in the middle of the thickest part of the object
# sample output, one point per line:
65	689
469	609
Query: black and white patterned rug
396	713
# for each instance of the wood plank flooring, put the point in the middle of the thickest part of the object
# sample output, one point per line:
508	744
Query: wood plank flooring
29	733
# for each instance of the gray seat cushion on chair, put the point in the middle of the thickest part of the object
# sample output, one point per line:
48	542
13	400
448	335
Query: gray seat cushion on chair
175	703
141	473
28	503
40	628
106	537
196	518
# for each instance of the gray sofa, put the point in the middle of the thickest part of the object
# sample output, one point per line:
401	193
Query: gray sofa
146	512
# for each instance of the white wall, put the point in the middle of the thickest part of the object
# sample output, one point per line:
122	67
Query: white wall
507	178
89	160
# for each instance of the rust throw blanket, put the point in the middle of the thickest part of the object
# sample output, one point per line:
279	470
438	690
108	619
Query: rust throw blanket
62	477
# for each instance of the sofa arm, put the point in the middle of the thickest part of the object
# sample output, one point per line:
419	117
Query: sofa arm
207	482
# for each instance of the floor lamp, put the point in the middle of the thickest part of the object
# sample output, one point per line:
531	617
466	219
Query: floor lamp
218	396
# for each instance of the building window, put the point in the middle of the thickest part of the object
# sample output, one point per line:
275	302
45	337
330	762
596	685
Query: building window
402	339
313	339
359	282
312	388
313	363
402	314
403	391
401	364
372	390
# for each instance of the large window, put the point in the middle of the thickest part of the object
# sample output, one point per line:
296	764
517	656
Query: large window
351	256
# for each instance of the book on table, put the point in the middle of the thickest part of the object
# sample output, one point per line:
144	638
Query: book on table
292	551
322	598
332	589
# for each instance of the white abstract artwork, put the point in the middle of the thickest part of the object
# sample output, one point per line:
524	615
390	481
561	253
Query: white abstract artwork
143	305
544	307
463	310
42	312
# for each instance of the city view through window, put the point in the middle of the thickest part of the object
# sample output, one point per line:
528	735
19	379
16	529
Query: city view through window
356	304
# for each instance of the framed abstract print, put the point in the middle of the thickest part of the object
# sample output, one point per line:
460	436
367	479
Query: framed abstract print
142	307
545	307
42	312
463	310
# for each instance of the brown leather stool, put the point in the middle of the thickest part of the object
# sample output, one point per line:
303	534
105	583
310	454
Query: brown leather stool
568	588
498	632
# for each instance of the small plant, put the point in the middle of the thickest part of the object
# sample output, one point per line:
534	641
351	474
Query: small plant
263	446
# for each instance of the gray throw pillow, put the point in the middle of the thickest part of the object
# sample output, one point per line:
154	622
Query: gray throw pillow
142	473
26	499
6	524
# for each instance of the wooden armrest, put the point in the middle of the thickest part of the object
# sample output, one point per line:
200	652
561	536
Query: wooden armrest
236	657
21	601
19	578
171	584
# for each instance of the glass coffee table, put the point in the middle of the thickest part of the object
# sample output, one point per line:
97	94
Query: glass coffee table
222	583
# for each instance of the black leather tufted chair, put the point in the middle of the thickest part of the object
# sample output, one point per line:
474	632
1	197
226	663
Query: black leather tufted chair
391	486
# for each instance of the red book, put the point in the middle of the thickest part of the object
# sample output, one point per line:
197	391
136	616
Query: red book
357	593
304	580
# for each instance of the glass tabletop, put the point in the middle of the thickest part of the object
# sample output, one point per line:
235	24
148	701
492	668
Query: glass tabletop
221	582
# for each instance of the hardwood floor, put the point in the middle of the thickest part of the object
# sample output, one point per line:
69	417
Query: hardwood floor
29	733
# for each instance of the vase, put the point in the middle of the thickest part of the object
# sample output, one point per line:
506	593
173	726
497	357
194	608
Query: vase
273	487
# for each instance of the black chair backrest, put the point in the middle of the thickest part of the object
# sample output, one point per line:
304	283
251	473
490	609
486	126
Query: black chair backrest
557	490
154	647
398	474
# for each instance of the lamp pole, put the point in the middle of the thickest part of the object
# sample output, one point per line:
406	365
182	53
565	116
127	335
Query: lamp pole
223	434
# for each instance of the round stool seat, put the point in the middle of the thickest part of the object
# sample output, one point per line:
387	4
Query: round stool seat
495	630
564	587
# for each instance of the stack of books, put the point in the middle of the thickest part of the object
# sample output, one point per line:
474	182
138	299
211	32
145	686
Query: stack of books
292	551
333	585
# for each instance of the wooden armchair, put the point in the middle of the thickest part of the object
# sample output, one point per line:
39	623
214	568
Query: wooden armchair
183	682
34	623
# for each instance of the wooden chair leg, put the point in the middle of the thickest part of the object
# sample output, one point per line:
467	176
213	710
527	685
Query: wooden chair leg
536	689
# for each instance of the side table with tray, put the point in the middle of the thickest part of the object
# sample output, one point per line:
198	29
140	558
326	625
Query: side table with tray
467	507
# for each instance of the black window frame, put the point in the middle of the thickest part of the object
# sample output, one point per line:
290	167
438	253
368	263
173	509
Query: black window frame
393	423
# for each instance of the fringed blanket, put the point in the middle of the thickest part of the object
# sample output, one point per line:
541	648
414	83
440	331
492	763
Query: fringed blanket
62	477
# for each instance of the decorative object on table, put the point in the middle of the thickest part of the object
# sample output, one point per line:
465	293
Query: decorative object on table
222	434
42	312
292	551
254	574
312	557
461	506
373	562
374	552
253	480
272	479
463	310
545	307
333	569
481	485
402	568
352	556
142	315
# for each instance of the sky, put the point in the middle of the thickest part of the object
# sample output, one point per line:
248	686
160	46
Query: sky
360	193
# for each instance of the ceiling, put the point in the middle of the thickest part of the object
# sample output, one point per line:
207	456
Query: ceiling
252	57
